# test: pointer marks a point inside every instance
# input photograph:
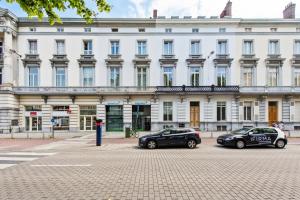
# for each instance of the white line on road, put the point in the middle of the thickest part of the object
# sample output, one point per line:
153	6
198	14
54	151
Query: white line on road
88	165
3	166
30	154
17	158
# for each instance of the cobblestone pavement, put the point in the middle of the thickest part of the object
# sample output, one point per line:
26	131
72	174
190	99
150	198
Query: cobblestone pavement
123	171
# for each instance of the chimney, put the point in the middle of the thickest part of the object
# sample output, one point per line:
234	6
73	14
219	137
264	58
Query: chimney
154	14
289	11
227	10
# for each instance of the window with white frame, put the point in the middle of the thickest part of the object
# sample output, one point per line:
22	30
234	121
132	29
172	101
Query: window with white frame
142	47
88	76
222	47
60	76
87	47
273	76
221	111
87	29
168	47
32	46
247	76
114	76
195	30
297	47
168	111
273	47
1	76
115	47
141	76
296	75
60	47
247	111
168	73
60	29
195	47
195	76
33	76
168	30
221	76
248	47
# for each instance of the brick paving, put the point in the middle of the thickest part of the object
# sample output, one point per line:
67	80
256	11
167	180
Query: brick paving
120	170
21	144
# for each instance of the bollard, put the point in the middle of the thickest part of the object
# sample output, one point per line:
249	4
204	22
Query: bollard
98	132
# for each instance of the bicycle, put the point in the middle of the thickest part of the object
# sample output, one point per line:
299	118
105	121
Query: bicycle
134	133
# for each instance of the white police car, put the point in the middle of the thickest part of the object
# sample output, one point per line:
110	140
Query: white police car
254	137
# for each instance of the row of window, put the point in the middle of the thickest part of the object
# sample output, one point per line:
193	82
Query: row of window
168	47
167	30
247	108
87	76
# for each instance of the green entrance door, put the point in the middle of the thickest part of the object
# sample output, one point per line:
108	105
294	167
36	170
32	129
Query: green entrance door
141	117
114	118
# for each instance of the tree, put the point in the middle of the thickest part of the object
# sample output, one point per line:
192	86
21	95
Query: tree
40	8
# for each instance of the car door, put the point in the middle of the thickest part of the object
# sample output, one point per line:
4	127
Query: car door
255	136
271	135
164	138
178	137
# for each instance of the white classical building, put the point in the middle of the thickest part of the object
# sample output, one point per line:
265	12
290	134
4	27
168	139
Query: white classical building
212	73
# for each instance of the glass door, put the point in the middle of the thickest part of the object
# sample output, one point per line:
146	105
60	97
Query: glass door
33	123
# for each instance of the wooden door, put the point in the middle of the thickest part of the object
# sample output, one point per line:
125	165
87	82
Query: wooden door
273	112
194	114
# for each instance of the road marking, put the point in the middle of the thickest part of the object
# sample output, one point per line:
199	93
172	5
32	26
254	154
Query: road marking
88	165
30	154
3	166
18	158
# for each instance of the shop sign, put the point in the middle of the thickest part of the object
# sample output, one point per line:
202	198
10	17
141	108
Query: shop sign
33	114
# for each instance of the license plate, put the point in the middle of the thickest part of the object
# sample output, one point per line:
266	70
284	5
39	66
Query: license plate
220	141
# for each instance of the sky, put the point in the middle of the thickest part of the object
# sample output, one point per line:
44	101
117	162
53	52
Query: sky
168	8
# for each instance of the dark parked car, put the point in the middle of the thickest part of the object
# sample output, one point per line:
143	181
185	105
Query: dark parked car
254	137
171	137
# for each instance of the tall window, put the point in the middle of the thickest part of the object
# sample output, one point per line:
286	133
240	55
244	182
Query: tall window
273	76
114	76
296	76
142	47
195	47
115	47
221	111
168	111
247	111
222	47
195	76
297	47
247	76
60	47
60	77
168	76
33	79
273	47
141	76
168	47
248	47
32	46
88	76
0	75
87	47
221	76
1	49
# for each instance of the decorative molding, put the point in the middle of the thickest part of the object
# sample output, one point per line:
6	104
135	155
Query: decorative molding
87	60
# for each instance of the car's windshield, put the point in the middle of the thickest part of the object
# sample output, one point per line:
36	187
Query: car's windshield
240	131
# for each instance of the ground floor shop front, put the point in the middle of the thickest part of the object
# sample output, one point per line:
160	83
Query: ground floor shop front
149	113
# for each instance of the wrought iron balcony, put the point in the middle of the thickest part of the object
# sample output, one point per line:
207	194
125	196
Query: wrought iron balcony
197	89
83	90
284	90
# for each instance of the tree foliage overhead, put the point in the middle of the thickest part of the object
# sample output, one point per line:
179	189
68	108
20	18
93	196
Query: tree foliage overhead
49	8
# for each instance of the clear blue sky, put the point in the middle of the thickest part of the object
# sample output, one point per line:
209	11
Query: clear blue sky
143	8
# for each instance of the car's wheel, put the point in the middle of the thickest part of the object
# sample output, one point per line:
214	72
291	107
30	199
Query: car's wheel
191	144
151	144
240	144
280	144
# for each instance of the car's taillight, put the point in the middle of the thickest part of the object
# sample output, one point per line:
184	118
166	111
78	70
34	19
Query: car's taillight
197	134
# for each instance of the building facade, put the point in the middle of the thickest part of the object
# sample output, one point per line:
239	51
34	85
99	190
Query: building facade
214	74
